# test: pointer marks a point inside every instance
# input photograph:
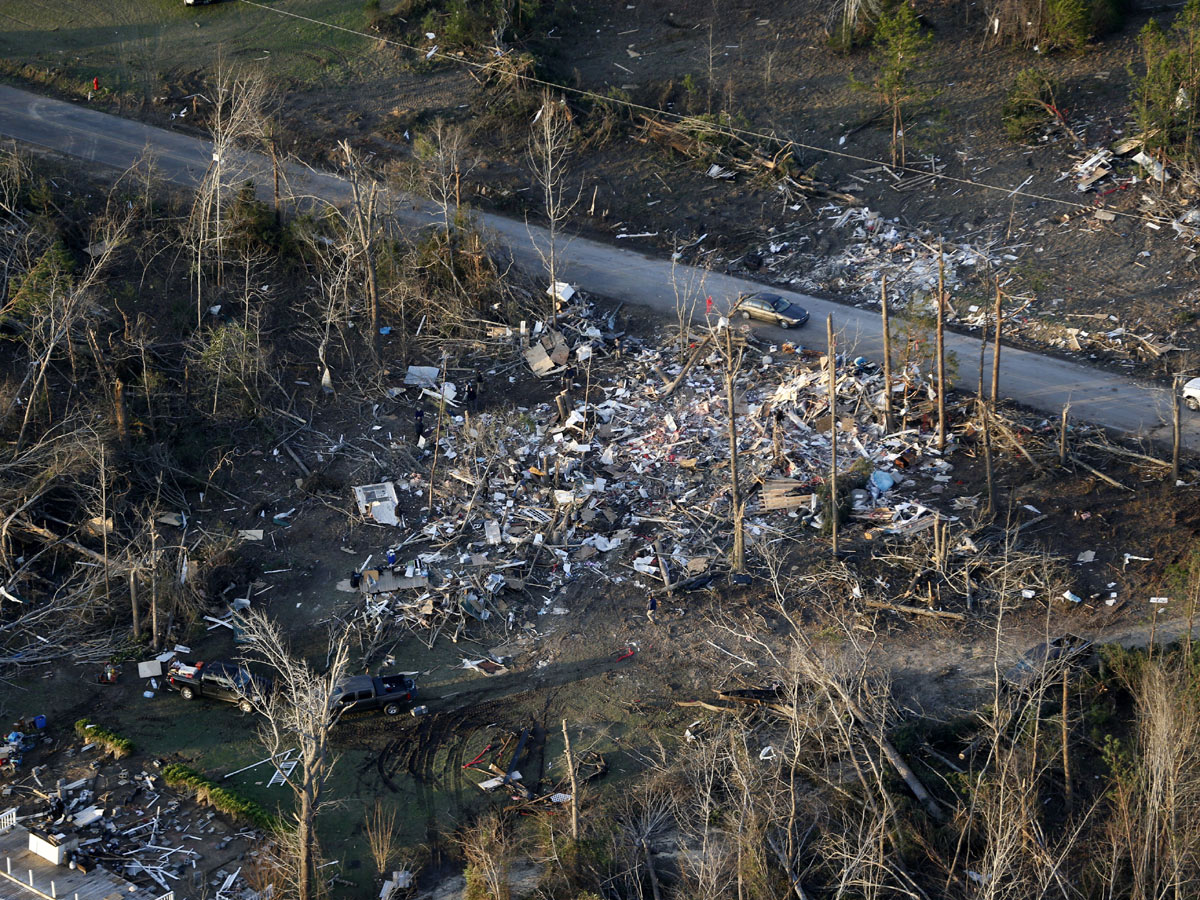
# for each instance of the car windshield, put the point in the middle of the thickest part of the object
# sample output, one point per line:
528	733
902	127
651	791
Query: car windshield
779	304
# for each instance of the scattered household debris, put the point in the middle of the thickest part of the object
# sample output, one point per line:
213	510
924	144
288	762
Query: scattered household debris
98	827
624	479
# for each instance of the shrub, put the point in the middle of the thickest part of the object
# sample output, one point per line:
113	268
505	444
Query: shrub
1048	25
1029	104
1067	25
252	225
118	746
226	801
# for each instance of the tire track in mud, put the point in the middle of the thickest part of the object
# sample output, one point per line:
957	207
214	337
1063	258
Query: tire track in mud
427	754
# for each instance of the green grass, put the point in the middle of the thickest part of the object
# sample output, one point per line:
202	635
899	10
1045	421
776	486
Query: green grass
140	48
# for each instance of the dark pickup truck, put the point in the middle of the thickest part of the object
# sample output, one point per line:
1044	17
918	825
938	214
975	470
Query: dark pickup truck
365	692
219	680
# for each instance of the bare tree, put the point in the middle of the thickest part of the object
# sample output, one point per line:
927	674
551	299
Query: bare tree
688	289
54	306
363	227
444	163
488	846
239	96
298	714
549	153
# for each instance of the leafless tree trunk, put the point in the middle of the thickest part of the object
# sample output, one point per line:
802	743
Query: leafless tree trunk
831	356
887	358
941	351
549	153
996	347
731	357
574	784
1175	429
299	713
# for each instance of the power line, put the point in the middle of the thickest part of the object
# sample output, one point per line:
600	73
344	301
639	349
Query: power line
435	53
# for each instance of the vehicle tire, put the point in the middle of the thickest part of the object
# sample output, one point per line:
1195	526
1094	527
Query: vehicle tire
745	315
391	709
245	706
1191	403
783	323
187	693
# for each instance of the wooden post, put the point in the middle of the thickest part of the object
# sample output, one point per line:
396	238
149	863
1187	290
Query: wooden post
887	358
941	351
1062	436
996	349
1175	431
438	431
574	785
833	498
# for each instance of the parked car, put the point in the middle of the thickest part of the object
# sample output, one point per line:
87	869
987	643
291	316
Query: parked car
219	680
360	693
1191	394
1061	651
772	308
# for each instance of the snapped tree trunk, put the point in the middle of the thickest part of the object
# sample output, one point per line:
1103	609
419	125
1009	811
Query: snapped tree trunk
887	358
833	454
739	539
941	352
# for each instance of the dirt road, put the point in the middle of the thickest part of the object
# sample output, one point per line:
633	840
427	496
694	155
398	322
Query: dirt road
1105	398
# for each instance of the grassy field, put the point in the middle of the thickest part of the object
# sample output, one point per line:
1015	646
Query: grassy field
146	46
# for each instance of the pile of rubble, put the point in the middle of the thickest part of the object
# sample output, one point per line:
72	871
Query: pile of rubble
625	476
96	825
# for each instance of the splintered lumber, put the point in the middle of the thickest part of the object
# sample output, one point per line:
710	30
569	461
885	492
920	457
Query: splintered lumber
1079	462
662	567
783	493
915	610
687	366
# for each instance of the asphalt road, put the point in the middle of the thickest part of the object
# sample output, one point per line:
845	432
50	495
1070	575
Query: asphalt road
1102	397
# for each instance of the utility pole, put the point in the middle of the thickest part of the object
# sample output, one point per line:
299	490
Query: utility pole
887	358
833	500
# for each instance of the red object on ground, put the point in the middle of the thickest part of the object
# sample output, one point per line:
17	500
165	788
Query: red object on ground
628	653
96	83
478	758
708	306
